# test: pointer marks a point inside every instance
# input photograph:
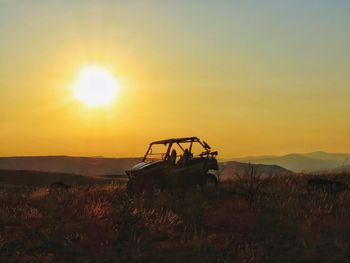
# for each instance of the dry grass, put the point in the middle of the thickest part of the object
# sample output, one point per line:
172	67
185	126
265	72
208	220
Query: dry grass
103	224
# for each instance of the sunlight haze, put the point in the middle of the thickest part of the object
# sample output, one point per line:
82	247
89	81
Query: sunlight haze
248	77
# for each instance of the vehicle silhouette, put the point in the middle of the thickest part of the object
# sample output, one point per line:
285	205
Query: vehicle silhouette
180	163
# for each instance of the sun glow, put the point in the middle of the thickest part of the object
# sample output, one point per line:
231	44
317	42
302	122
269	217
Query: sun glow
95	86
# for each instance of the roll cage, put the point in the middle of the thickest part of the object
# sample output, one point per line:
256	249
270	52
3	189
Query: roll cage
168	143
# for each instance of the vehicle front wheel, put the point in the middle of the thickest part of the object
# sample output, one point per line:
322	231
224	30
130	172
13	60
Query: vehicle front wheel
156	189
210	182
130	188
153	189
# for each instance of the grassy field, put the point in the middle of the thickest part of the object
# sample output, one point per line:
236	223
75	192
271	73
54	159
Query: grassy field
102	224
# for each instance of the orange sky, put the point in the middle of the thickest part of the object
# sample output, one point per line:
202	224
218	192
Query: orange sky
248	78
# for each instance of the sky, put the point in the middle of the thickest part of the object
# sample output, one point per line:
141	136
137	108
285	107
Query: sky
249	77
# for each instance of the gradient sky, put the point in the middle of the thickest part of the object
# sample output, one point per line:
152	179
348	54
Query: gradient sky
250	77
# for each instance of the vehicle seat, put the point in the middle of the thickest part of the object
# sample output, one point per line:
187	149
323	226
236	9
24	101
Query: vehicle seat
172	157
184	158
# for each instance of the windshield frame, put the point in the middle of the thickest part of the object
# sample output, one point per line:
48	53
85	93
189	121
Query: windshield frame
149	152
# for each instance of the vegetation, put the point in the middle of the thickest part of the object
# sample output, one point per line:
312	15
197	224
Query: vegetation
285	223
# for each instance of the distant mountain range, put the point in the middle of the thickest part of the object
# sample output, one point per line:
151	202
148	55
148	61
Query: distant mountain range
115	167
307	162
44	170
91	166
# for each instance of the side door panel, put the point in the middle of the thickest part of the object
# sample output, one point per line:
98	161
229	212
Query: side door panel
196	170
176	176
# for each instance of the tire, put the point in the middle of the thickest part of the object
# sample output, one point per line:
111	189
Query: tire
130	188
156	189
210	182
153	189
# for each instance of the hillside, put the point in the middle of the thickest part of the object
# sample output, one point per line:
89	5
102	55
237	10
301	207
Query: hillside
67	164
35	178
308	162
229	170
299	163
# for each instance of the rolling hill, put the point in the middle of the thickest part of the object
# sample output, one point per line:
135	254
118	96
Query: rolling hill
308	162
112	168
229	170
35	178
89	166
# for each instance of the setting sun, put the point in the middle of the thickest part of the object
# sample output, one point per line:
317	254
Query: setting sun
95	86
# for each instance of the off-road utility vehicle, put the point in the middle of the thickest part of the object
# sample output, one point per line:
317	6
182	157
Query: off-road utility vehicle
174	163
